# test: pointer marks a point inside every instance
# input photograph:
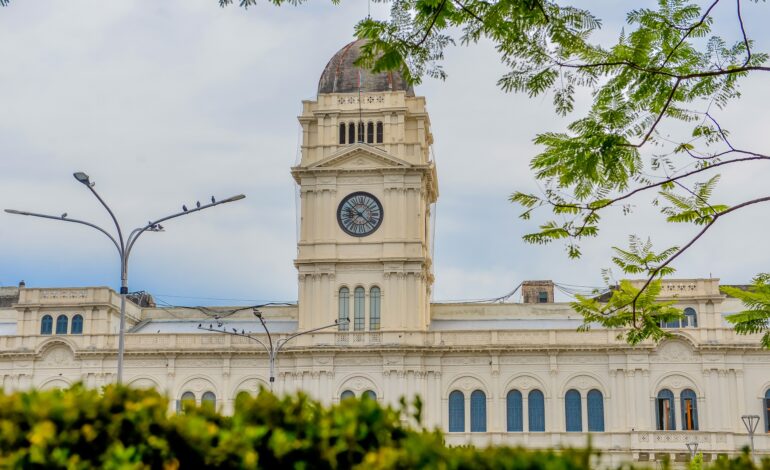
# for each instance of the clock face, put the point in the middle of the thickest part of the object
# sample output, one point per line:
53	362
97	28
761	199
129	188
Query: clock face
359	214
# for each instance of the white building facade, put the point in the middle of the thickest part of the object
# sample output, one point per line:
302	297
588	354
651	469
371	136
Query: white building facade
496	373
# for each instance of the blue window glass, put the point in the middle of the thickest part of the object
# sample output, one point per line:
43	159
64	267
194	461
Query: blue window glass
573	412
595	411
690	318
77	325
344	309
370	394
664	411
478	411
61	324
374	308
456	411
536	408
46	325
514	411
358	309
347	394
689	405
767	411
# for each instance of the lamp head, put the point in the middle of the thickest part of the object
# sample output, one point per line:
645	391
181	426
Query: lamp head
82	177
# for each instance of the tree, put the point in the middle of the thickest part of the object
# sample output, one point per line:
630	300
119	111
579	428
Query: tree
666	69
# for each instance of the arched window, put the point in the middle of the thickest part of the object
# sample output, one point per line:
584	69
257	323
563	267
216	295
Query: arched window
664	410
370	394
478	411
595	411
374	308
61	324
187	397
209	399
690	318
77	325
360	132
342	133
370	133
347	394
379	132
536	408
572	411
689	404
351	133
514	411
358	309
344	309
46	325
767	410
456	411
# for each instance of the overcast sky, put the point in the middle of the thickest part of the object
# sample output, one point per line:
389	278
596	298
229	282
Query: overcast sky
168	102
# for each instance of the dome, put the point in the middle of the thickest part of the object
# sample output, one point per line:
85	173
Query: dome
341	76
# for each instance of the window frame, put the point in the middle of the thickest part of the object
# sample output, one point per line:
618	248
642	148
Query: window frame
595	410
689	421
62	327
478	411
359	309
375	308
669	424
46	325
514	411
77	319
573	411
536	411
456	408
343	306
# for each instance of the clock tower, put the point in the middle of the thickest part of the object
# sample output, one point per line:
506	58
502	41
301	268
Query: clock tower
367	184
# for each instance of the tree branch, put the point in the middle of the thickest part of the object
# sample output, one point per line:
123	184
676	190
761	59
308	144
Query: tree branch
688	245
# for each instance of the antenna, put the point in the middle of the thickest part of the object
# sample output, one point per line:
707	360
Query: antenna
360	112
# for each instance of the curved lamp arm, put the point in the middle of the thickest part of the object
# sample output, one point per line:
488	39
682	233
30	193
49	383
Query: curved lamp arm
282	342
235	333
74	221
138	231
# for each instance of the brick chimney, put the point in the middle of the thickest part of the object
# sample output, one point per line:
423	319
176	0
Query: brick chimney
537	292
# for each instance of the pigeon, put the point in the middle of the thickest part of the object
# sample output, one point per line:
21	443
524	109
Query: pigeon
64	215
198	203
213	200
235	331
199	325
184	208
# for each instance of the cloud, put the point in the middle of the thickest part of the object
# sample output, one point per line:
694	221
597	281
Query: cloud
169	103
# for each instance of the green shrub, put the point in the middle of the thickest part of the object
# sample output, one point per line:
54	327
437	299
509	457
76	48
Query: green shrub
122	428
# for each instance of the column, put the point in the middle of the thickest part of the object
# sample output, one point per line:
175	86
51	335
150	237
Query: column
631	398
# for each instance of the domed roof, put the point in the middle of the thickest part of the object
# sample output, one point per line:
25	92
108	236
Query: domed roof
341	76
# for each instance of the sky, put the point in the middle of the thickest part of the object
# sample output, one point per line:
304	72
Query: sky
166	103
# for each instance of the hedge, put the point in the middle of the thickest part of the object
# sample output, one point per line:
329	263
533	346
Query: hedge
125	428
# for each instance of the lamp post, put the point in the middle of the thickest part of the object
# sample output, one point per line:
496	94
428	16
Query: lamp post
123	246
272	348
751	422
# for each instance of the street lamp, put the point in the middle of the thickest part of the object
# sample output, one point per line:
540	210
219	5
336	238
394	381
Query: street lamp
692	447
271	348
751	422
123	246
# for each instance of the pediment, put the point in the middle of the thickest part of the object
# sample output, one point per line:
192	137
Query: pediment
360	156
